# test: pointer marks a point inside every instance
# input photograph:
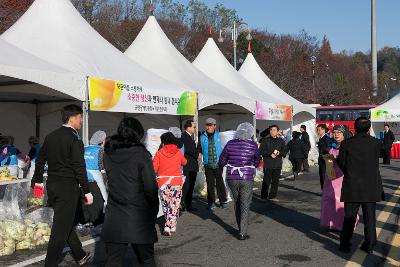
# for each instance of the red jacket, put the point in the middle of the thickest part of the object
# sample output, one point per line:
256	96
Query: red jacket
167	162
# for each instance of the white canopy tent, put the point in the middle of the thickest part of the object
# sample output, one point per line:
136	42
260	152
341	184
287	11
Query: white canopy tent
302	113
26	83
153	50
213	63
388	112
56	32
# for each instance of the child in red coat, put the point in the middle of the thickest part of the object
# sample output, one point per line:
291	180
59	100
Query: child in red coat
167	164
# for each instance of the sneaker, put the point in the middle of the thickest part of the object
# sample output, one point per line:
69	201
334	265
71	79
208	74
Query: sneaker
85	259
166	232
243	237
224	205
211	206
275	200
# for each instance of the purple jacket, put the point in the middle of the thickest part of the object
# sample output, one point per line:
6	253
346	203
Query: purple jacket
241	158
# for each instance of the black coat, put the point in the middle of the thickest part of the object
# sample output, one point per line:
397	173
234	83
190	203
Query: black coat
388	139
64	153
359	160
324	145
191	153
297	149
132	207
306	139
267	147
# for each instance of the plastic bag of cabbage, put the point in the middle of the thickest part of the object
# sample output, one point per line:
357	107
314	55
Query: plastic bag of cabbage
26	234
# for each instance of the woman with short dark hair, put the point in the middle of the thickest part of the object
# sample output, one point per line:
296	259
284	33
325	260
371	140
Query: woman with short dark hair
132	207
167	164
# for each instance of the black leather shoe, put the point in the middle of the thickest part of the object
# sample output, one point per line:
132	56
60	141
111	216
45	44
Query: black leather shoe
366	249
344	249
191	209
243	237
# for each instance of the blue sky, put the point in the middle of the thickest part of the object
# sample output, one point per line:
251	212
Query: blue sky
346	23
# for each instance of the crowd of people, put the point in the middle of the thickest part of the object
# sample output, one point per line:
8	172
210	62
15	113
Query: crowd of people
116	182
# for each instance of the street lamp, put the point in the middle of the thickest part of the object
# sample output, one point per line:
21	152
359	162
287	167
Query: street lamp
235	35
313	59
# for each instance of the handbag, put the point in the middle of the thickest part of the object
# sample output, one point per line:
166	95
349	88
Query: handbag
330	170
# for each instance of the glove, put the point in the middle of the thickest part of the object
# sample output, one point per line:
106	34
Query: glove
88	199
38	190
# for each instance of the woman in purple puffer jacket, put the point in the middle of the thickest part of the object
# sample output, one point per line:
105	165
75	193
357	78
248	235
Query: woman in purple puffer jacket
241	158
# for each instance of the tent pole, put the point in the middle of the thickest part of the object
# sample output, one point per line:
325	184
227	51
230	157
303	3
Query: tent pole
254	125
196	120
85	107
37	124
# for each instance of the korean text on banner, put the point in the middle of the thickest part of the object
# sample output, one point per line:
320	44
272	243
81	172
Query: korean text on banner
268	111
390	115
117	96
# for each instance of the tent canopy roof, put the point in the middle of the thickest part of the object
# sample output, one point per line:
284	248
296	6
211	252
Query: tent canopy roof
254	74
153	50
56	32
25	78
393	103
212	62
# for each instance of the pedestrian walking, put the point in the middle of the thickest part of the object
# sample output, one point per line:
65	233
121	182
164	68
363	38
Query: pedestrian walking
388	139
324	145
241	158
306	139
63	151
273	149
94	154
332	209
210	149
191	168
167	164
297	153
132	207
362	184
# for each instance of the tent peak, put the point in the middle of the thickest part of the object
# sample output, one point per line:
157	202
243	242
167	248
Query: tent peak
249	48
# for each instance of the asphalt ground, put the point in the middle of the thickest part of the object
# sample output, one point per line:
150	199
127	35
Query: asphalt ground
286	233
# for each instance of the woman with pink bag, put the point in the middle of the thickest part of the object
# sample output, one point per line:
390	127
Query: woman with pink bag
332	210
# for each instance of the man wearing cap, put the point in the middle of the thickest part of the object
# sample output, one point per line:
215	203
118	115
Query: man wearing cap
210	148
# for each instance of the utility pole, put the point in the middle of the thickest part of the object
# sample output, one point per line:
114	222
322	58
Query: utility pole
234	39
373	50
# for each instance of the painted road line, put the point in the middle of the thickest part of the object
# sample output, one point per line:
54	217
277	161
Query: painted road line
42	257
393	257
359	256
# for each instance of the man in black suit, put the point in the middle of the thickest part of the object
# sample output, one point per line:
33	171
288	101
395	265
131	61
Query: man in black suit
191	168
362	184
324	145
64	153
306	139
388	139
